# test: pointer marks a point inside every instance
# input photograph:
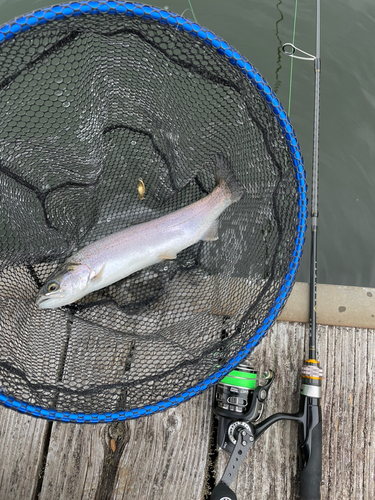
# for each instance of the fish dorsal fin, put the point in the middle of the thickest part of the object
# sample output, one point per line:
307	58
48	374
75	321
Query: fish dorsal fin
212	233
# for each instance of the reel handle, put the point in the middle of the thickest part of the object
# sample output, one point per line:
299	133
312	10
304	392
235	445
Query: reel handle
245	441
222	492
311	475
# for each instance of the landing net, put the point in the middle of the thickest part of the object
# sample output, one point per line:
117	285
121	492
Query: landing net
93	97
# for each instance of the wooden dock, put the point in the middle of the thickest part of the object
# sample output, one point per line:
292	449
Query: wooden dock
173	456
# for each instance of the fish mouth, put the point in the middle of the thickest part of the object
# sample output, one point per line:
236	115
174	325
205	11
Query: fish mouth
42	301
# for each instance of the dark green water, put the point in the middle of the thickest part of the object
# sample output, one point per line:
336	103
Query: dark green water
257	29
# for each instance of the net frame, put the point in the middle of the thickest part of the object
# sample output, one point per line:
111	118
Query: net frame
160	16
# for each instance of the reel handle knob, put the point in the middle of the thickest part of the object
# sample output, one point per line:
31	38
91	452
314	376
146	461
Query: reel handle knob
222	492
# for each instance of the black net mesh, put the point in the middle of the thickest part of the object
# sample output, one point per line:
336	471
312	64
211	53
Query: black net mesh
89	105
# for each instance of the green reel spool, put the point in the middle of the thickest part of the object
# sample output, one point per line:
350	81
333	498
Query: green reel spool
243	377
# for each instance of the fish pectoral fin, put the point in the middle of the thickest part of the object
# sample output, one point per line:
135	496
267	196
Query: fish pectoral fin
168	255
212	233
96	276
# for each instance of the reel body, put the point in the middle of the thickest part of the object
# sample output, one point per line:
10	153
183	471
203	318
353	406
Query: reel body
239	400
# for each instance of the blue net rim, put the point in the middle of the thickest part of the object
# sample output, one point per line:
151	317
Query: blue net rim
57	12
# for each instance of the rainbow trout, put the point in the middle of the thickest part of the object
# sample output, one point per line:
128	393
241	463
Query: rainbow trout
118	255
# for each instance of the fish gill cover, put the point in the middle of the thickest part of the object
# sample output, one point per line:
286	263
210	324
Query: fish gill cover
93	97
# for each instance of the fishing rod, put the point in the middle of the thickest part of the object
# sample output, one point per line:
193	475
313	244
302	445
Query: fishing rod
238	401
311	387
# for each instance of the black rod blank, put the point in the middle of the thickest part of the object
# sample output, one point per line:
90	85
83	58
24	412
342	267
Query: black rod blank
314	196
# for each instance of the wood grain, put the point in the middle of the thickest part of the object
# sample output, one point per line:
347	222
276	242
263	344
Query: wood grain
22	440
166	456
160	456
74	462
348	357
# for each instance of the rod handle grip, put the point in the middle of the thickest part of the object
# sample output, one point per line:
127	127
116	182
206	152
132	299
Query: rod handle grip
311	475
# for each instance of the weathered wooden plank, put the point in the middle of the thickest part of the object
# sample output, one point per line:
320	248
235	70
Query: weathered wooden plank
74	461
171	460
347	356
22	441
161	456
366	396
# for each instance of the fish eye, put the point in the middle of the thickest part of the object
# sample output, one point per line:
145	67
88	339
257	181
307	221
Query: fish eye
53	286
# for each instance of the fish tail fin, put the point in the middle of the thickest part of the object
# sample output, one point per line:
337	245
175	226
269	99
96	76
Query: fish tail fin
224	176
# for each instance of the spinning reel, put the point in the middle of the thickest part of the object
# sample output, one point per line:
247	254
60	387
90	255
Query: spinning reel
239	401
238	404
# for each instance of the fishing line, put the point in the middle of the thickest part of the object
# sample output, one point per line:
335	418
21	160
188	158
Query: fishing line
191	10
279	66
291	59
